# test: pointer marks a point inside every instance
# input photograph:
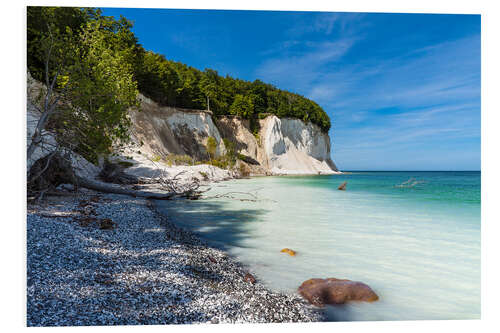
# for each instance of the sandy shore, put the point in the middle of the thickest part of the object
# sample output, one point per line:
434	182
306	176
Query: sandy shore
97	259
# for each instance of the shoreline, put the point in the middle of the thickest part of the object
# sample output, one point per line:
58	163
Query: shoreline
144	270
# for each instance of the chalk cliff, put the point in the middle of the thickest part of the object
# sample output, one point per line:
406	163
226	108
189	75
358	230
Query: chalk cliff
294	147
282	146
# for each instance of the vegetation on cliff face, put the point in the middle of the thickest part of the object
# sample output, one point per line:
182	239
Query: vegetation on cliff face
99	66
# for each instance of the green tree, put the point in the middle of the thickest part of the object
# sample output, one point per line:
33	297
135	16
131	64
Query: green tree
158	80
61	22
242	106
87	98
209	87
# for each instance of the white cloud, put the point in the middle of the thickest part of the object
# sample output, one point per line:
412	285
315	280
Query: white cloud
302	68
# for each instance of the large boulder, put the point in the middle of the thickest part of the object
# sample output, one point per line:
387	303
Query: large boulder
335	291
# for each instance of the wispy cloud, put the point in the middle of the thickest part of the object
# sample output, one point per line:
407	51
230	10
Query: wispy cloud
302	67
327	24
430	77
301	60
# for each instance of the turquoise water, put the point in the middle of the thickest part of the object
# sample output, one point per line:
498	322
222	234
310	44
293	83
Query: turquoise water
414	237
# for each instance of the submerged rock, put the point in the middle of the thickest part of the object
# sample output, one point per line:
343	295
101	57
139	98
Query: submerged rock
289	251
335	291
342	187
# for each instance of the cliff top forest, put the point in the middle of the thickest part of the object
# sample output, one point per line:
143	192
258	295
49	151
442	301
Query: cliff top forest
171	83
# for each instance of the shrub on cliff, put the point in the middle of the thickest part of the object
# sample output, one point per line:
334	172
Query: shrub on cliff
211	147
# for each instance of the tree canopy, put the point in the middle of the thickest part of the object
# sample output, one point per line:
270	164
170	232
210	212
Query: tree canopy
88	71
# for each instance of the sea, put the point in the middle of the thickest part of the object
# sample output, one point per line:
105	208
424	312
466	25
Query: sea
413	237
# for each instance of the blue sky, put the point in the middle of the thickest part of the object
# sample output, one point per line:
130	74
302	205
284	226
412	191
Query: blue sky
403	90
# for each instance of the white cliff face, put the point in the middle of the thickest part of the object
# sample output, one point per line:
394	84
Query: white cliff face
294	147
199	124
284	146
238	131
167	130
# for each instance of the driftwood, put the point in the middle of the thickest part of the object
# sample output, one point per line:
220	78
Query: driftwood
53	170
190	190
116	189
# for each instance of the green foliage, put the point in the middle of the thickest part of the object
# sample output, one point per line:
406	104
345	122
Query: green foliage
231	153
211	147
94	70
257	138
230	147
156	158
242	106
63	23
158	78
125	164
174	159
226	161
223	162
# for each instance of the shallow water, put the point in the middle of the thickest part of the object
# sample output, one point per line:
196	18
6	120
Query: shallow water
414	237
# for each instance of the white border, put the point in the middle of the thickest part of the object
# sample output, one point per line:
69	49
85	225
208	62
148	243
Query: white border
13	240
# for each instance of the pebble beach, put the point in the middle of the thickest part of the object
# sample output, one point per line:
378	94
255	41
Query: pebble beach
102	259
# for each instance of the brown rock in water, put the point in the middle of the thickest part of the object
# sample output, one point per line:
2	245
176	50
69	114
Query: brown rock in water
335	291
289	251
342	187
249	278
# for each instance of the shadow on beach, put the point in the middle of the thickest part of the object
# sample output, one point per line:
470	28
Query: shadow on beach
213	221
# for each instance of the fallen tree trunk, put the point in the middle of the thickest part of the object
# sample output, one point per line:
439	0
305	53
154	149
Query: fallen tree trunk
52	170
116	189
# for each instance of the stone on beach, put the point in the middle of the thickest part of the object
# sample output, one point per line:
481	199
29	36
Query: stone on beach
106	224
249	278
289	251
335	291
